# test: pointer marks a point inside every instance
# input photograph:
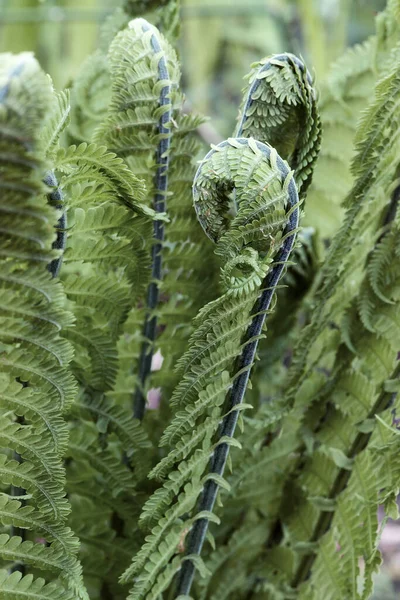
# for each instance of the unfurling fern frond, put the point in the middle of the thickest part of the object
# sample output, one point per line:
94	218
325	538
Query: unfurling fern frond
246	201
141	105
279	108
267	198
146	127
36	386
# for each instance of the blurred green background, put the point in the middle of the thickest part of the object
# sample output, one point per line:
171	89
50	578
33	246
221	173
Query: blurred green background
219	39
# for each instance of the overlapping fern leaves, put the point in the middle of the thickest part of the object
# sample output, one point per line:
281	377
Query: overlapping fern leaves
344	371
36	386
87	230
249	176
105	274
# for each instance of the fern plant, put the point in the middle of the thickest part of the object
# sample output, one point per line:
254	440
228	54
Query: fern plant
198	396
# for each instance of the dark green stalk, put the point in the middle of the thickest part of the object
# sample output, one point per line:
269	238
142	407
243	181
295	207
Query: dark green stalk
161	185
304	150
55	198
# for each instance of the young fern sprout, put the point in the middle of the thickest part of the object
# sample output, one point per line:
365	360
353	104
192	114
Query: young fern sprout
294	131
161	187
249	343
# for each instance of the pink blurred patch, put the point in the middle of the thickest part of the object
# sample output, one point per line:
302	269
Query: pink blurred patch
153	398
157	361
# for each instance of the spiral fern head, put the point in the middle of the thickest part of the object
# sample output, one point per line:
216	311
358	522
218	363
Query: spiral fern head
280	108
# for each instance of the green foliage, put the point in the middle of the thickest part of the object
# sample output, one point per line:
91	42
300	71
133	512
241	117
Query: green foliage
36	384
105	269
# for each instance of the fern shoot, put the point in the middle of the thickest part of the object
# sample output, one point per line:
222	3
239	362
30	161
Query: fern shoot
161	187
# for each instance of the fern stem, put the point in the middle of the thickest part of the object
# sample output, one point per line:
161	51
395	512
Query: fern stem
237	392
55	198
161	186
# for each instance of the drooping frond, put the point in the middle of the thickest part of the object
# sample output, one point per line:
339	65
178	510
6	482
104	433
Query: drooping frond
366	204
36	386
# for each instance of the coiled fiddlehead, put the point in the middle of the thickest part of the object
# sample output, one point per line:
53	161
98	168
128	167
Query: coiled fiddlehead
253	332
279	108
247	202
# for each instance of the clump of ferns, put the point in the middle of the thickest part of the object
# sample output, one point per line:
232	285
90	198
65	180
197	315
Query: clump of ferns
143	499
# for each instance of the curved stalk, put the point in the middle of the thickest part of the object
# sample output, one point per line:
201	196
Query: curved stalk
300	146
243	368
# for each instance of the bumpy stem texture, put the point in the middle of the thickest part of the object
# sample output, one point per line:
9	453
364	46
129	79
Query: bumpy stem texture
161	185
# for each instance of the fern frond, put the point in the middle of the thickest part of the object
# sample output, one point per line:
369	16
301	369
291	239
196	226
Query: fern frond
366	205
36	385
337	488
90	96
56	122
17	587
255	163
279	108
